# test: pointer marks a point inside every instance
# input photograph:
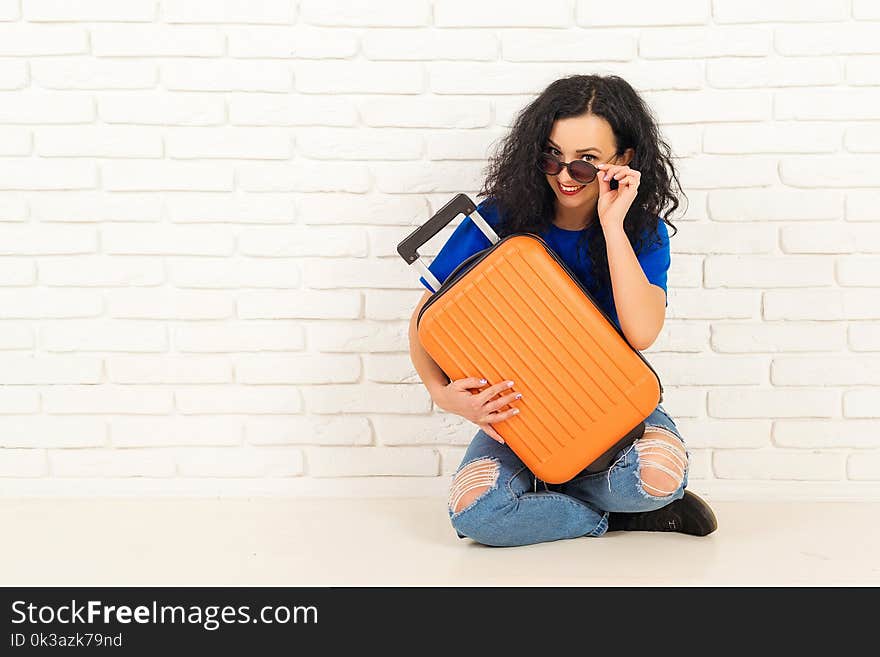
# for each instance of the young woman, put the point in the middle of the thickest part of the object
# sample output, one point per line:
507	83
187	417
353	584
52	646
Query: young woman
583	166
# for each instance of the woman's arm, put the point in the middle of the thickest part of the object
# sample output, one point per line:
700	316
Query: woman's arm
429	371
641	305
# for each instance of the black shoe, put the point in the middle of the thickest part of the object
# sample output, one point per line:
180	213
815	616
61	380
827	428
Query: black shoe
688	515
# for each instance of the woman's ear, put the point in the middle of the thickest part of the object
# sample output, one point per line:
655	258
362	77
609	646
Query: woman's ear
627	156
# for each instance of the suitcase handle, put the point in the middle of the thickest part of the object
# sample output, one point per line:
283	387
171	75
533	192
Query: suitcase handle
459	204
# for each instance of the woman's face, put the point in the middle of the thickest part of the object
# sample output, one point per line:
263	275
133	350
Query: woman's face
587	137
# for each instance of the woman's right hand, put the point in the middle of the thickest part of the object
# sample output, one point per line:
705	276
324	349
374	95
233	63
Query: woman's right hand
481	409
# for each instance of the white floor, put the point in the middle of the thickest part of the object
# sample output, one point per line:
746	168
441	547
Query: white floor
308	542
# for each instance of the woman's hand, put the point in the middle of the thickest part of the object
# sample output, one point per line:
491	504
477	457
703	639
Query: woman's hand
615	203
480	408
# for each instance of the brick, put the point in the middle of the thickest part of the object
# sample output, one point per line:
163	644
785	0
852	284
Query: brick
776	138
122	40
174	430
738	73
713	304
97	141
359	336
17	272
772	403
124	175
299	241
247	336
714	171
821	304
92	11
389	304
239	462
703	369
862	205
643	12
864	467
100	271
345	272
709	237
14	336
107	399
23	463
703	42
103	335
111	463
775	204
772	337
724	434
370	461
430	45
390	368
831	171
837	370
95	205
156	108
861	403
47	304
33	432
707	105
168	369
768	271
864	336
24	40
329	209
217	274
301	42
290	110
417	112
366	398
831	104
353	13
779	464
299	304
845	38
817	434
308	430
359	144
167	240
436	429
227	75
19	400
228	11
298	368
758	11
835	238
232	399
94	74
46	174
210	207
858	270
297	177
359	77
497	13
169	304
226	143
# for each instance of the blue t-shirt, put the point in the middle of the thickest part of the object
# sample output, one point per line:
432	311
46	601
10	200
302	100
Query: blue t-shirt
468	239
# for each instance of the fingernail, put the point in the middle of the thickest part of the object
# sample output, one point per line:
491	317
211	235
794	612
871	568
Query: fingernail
483	381
515	411
518	395
510	384
606	176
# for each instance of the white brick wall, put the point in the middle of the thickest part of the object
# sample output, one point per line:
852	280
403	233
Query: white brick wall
200	204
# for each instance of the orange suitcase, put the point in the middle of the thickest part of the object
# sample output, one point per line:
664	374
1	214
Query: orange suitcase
515	311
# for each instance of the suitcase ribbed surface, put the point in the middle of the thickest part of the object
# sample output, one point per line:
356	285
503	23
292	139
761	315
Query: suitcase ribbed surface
519	315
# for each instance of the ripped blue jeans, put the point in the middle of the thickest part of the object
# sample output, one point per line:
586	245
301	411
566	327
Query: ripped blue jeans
519	509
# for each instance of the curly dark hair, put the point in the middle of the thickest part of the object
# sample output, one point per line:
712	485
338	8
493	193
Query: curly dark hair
525	200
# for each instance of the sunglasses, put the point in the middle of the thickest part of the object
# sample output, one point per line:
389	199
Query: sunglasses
580	170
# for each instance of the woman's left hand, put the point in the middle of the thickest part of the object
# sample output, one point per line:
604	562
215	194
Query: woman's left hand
615	203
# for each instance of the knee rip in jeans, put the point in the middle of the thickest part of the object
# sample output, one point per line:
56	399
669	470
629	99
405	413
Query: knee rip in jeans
662	461
471	481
